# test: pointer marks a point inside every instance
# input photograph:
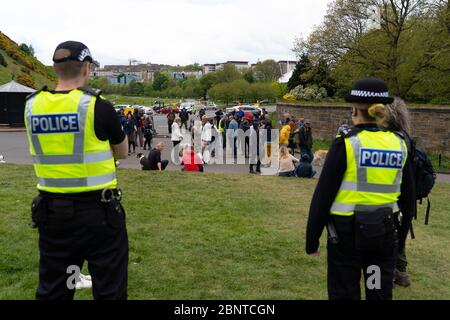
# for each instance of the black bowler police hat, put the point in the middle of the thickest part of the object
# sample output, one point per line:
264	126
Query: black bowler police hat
369	90
77	51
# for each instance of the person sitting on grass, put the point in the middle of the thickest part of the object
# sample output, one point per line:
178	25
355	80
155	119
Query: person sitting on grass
191	161
305	169
153	160
286	166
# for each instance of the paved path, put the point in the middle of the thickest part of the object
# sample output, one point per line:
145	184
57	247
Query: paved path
14	148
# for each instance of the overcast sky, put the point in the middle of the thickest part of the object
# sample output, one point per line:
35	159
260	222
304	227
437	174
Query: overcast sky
164	31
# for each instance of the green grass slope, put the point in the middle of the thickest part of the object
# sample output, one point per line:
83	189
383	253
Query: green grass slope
18	64
214	236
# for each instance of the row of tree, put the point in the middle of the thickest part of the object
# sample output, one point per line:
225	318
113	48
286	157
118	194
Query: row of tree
227	84
405	42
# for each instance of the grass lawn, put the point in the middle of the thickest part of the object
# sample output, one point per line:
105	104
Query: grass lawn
215	236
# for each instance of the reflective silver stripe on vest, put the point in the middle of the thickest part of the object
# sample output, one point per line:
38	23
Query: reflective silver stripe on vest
83	106
356	146
398	178
34	138
77	182
347	207
369	187
73	159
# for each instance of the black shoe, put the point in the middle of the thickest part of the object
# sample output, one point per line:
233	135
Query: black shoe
401	279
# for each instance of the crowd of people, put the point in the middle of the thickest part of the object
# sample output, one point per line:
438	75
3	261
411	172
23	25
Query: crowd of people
138	127
295	135
295	132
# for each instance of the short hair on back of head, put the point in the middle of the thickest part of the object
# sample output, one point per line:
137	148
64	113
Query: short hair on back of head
69	69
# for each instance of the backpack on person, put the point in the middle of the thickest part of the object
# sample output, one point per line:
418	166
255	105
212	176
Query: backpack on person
148	132
424	177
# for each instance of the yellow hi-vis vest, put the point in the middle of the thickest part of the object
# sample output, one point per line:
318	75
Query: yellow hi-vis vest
220	127
67	155
375	161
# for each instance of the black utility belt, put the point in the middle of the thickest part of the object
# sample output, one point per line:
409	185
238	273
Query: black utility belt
368	227
62	204
105	195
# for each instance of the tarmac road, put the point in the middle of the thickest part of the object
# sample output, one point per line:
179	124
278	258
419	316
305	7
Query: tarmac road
14	148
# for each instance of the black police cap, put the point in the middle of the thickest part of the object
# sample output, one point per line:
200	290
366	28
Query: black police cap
369	90
77	52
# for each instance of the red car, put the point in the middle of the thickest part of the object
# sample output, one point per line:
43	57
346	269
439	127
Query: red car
166	110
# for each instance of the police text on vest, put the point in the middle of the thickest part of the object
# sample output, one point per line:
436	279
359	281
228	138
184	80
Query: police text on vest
377	158
55	123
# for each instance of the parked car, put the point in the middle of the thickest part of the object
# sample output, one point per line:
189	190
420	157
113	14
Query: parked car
146	110
167	109
211	107
157	108
189	106
125	107
256	111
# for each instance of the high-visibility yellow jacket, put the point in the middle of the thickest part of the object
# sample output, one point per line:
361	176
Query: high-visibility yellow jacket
375	161
285	133
67	155
221	127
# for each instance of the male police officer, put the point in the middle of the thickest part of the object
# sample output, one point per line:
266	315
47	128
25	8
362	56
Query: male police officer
365	179
74	136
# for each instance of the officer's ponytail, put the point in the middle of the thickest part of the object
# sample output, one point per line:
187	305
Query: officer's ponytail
377	111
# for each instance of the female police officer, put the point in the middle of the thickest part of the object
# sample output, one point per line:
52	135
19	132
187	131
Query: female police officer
365	179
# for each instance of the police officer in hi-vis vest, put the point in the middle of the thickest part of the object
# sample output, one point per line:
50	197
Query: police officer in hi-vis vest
74	136
365	182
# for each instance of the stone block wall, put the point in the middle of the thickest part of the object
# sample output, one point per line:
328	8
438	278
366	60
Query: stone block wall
431	125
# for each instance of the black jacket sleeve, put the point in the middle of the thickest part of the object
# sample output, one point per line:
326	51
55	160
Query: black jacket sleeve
326	190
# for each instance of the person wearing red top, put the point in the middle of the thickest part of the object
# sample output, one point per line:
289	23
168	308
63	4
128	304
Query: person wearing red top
191	161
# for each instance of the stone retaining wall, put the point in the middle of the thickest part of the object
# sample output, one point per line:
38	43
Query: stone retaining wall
431	125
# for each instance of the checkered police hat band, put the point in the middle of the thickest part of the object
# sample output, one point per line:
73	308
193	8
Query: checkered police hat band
369	94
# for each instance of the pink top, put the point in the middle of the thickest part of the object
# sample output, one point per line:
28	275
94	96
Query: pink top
287	163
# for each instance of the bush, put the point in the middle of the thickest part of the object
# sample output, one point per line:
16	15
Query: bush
3	61
26	80
309	93
25	70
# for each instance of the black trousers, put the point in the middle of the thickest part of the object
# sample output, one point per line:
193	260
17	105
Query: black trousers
258	167
345	264
75	232
148	142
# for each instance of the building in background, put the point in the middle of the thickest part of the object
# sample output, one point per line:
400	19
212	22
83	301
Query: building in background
124	74
178	75
240	65
286	69
207	68
286	66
